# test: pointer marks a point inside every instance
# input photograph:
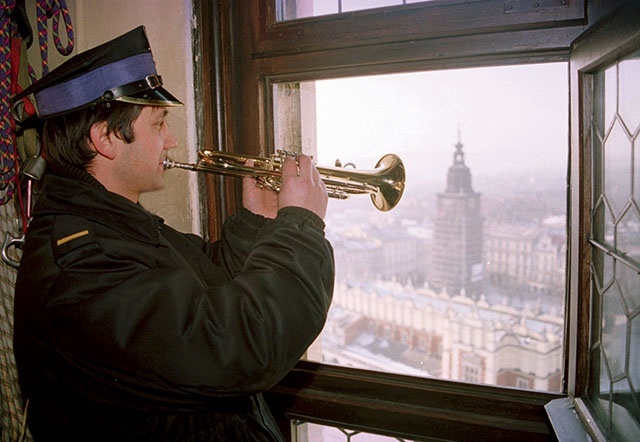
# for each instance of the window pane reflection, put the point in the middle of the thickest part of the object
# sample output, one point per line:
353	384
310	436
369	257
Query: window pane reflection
294	9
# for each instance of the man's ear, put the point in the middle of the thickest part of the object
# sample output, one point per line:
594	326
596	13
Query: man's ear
102	140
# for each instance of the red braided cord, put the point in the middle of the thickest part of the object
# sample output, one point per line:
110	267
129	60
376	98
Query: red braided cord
46	9
16	49
7	130
10	48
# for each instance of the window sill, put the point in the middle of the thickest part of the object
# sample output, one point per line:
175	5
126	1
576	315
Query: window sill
565	421
408	407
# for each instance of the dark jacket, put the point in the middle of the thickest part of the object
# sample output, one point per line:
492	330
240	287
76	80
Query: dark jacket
126	329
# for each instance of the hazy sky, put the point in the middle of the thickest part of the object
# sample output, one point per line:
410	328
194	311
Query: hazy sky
513	117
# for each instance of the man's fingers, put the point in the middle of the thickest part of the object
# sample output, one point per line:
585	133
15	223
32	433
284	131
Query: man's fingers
305	166
300	165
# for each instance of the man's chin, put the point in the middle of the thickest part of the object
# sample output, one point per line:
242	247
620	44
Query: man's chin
159	184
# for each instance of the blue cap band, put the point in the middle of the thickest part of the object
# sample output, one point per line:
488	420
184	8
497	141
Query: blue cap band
88	88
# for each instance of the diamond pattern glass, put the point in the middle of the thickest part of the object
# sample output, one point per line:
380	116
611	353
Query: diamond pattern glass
617	168
615	222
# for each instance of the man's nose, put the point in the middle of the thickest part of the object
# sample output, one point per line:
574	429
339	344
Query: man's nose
170	142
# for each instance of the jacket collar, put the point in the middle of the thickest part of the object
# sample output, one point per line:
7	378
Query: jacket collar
73	191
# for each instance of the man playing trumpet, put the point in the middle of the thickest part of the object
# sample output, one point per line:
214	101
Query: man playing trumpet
126	329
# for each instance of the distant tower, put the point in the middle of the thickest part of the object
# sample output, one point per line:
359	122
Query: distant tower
456	256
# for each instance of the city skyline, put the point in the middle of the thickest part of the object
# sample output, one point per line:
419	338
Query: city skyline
520	179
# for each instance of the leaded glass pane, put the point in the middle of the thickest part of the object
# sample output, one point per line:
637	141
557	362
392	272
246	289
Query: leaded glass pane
610	97
617	168
614	325
628	232
629	281
308	432
634	355
615	336
629	72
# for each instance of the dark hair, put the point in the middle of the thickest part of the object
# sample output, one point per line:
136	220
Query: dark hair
66	139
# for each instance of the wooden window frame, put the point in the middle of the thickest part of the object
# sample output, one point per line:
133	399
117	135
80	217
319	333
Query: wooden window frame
244	51
412	22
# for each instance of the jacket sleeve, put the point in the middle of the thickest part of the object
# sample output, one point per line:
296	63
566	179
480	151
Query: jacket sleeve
144	332
238	236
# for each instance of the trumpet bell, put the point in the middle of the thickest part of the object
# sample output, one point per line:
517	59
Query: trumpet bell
392	180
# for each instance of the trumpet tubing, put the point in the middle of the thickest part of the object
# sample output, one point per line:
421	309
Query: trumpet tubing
385	183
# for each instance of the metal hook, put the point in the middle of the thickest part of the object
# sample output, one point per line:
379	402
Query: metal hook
34	169
10	241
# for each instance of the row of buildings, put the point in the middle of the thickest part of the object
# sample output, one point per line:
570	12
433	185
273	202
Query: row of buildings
513	257
384	325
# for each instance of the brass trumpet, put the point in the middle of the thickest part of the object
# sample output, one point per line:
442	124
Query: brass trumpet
384	184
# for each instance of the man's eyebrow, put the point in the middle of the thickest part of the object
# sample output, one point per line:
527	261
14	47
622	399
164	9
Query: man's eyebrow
161	111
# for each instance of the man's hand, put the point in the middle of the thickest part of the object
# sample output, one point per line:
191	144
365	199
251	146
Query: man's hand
259	201
302	186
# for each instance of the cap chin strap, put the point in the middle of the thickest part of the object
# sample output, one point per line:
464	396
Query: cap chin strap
128	93
149	101
145	84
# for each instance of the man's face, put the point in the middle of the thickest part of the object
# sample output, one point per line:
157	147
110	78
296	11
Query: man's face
141	163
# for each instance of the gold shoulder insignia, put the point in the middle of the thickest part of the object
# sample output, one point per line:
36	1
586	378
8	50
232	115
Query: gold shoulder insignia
68	238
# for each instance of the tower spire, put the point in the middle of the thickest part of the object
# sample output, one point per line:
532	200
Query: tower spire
459	175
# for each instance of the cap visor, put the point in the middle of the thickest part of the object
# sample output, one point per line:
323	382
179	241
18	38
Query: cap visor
152	97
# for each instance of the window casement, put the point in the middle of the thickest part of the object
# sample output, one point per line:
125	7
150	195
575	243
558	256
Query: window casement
251	59
604	384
